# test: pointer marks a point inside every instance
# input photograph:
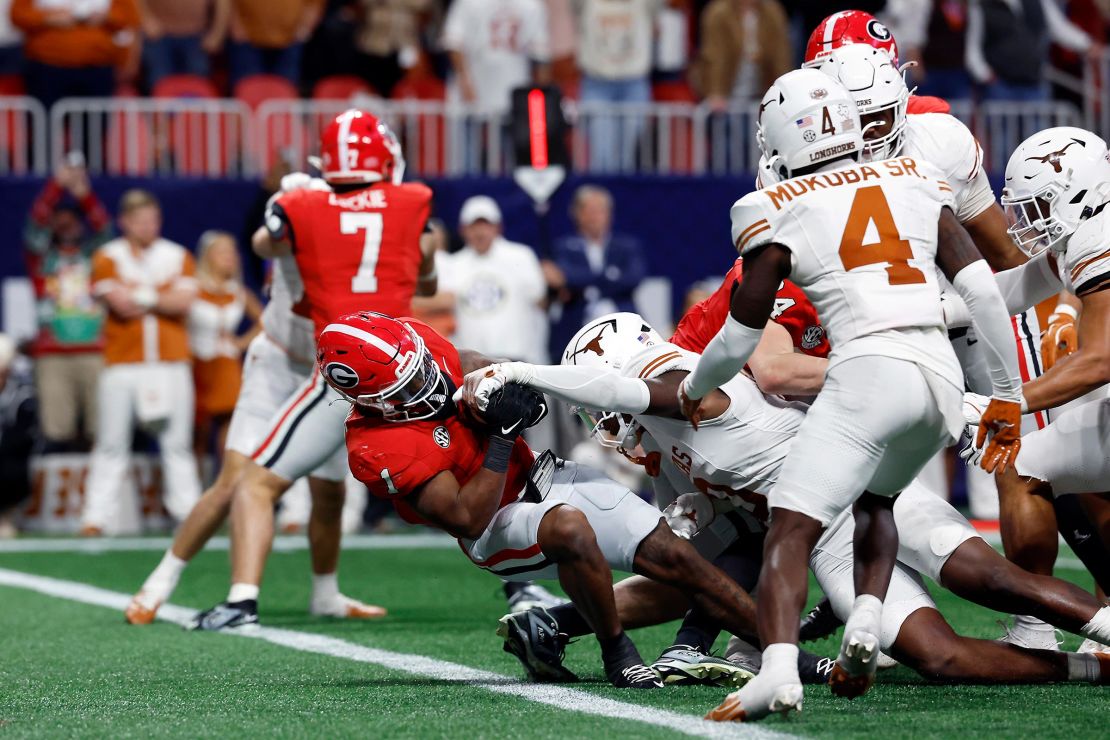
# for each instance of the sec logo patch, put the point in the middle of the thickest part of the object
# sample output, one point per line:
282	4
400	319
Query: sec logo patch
812	336
442	437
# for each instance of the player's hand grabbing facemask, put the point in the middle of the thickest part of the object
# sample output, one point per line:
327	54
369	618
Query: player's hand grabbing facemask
512	409
689	514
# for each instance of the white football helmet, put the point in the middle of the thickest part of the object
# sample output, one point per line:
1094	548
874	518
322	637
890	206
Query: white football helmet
878	86
1054	179
608	343
807	118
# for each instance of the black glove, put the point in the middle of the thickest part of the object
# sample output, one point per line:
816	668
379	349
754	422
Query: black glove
513	409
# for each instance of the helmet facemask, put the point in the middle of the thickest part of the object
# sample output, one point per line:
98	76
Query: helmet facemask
419	393
1033	225
891	118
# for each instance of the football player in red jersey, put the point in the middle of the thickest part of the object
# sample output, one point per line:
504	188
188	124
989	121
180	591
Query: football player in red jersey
355	241
514	514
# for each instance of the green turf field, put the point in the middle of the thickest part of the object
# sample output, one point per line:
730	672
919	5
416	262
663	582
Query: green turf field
71	669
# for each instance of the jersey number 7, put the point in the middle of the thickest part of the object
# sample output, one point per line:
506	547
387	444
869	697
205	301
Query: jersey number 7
870	206
352	222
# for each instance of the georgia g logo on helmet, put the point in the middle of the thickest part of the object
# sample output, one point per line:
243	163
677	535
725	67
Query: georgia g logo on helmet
878	30
340	375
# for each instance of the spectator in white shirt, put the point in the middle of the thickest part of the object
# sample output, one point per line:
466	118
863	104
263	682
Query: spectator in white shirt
498	288
492	45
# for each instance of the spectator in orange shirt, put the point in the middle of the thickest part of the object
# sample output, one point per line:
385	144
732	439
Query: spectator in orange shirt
74	46
147	284
179	35
267	36
217	346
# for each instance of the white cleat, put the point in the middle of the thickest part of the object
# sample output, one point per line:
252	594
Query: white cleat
1021	636
885	662
532	596
1091	646
854	672
344	607
755	702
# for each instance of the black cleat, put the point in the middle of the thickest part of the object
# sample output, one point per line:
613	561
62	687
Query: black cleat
820	622
226	616
533	637
813	669
637	676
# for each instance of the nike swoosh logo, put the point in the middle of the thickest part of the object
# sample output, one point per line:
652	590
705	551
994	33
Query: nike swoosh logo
972	341
507	430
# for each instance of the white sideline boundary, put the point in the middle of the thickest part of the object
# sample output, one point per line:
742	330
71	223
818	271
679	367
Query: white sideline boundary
294	543
560	697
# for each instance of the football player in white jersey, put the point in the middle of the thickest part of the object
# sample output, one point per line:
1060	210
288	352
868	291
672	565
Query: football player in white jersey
277	362
1057	190
619	363
889	400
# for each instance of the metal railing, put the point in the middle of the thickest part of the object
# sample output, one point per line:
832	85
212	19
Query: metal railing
154	137
223	138
22	136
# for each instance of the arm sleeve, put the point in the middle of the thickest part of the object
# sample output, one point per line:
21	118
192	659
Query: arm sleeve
724	357
1021	287
590	387
989	316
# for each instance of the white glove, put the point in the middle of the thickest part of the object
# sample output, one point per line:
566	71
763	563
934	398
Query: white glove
689	514
969	453
974	406
486	381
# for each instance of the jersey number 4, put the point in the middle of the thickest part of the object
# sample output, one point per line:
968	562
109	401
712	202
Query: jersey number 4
870	207
350	222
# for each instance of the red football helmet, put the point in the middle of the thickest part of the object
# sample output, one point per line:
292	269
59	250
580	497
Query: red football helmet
381	363
848	27
357	147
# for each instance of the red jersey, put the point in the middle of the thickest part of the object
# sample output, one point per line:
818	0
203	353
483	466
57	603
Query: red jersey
394	459
356	251
927	104
792	310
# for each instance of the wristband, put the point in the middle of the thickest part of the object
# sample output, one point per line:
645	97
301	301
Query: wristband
498	454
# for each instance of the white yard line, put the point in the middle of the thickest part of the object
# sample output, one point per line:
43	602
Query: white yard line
560	697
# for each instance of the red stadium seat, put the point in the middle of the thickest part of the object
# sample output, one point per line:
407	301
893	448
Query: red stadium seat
184	86
420	87
257	89
11	85
673	92
431	159
341	87
129	145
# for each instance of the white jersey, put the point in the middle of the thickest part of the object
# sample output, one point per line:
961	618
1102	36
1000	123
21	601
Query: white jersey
295	334
1085	265
733	456
947	144
863	244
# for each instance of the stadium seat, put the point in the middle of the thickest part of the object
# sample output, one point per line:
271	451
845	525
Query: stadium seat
673	92
184	86
341	87
11	85
431	157
420	87
257	89
130	144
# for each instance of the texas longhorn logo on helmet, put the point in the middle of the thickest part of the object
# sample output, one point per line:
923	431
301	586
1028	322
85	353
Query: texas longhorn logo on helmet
1053	158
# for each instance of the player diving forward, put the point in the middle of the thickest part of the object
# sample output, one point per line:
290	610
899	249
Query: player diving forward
334	241
514	515
619	363
1057	189
890	399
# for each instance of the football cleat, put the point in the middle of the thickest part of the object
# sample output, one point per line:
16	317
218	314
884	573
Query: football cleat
226	616
533	637
783	700
140	611
1019	635
820	622
525	596
344	607
637	676
683	665
1090	646
854	672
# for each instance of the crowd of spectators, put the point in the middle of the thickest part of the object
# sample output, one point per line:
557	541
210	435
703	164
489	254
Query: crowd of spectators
475	51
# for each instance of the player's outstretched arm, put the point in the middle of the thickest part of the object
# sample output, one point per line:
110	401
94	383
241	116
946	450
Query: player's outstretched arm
1084	370
971	277
460	511
1021	287
580	386
751	306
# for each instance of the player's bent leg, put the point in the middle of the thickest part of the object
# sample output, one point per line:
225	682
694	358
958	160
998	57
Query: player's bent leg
928	644
325	532
1084	523
976	572
205	518
1027	522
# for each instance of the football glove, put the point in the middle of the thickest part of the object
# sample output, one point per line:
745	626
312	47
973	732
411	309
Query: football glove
1059	340
512	409
689	514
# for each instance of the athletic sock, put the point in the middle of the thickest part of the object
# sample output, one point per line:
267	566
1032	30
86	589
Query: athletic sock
617	653
697	631
163	579
570	620
1085	668
325	586
242	592
780	662
1098	629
